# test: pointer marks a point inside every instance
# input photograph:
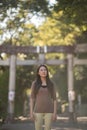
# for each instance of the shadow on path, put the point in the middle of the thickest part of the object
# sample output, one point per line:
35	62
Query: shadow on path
62	123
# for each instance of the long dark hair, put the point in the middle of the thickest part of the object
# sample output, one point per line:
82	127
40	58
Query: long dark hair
38	81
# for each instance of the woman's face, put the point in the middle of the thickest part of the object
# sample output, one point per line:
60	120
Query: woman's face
42	71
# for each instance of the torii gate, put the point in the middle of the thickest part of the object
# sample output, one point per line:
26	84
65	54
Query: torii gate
13	61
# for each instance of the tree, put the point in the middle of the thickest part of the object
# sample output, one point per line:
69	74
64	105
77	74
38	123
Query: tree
32	5
3	92
80	78
60	79
15	29
73	10
56	31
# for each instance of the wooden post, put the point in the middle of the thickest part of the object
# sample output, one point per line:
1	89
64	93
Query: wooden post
71	93
41	58
11	93
41	52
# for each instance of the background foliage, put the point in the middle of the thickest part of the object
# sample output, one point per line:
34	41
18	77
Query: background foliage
60	23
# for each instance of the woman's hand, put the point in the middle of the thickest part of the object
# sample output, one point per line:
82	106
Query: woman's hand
54	117
32	117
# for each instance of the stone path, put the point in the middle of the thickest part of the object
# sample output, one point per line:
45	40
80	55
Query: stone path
62	123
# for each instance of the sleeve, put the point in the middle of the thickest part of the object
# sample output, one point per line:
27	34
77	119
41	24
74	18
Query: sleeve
32	95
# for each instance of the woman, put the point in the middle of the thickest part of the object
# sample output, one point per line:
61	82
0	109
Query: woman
43	100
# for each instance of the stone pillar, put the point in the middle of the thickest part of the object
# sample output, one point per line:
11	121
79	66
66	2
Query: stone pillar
71	92
42	51
11	92
41	58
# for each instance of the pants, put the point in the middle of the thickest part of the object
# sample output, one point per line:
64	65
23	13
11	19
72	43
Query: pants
40	117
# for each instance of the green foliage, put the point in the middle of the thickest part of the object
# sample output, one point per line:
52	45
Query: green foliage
24	77
74	10
16	30
65	23
31	5
3	92
80	81
60	79
75	13
56	31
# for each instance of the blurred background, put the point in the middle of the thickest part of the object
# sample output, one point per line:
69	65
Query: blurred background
43	23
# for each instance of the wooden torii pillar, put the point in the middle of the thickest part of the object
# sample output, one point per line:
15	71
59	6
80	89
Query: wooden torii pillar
71	92
11	91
